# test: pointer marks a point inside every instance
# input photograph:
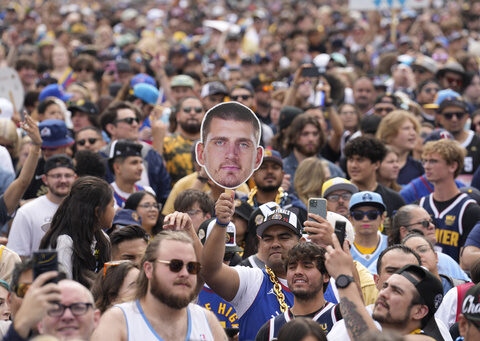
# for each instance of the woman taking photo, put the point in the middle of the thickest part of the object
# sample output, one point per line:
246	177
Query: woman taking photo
81	217
148	208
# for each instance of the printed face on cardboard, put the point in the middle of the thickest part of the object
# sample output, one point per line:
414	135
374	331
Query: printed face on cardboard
230	149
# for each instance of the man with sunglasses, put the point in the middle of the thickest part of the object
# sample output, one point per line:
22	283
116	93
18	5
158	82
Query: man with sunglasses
453	115
385	104
167	284
454	213
89	138
177	147
338	192
367	215
452	76
121	121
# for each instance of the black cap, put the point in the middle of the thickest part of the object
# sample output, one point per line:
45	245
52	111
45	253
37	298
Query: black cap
287	114
281	217
428	286
243	209
83	106
58	161
471	303
124	148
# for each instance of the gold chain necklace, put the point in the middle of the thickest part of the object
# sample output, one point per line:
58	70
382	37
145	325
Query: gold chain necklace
254	190
277	289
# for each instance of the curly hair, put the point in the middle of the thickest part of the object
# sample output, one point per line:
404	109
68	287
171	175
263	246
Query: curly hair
365	146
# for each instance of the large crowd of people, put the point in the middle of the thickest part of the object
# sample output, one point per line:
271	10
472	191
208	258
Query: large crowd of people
104	163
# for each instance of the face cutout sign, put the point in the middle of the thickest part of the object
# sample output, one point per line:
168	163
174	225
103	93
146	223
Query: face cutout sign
229	148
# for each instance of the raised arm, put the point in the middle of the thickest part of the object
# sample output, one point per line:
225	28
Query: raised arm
339	262
15	191
223	279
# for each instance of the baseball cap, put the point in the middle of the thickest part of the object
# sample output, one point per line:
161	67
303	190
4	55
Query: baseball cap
438	134
428	286
213	88
182	80
206	227
6	108
280	217
126	217
287	114
447	97
124	148
54	90
243	209
471	303
129	14
54	134
425	62
272	155
58	161
146	92
338	184
366	198
83	106
142	78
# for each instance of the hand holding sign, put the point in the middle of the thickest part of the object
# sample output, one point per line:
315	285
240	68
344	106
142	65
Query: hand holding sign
230	149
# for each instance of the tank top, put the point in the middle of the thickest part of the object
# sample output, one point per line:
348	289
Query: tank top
139	328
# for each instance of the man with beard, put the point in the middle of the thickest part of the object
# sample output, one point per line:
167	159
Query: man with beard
406	303
308	279
268	180
33	219
177	147
305	139
256	294
167	283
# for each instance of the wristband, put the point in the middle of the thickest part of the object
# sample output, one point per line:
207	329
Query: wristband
220	224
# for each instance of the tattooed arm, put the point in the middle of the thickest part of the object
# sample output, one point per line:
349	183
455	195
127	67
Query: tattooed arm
357	319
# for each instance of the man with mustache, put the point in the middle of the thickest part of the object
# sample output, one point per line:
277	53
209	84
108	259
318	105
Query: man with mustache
167	284
177	147
33	219
308	279
268	180
229	149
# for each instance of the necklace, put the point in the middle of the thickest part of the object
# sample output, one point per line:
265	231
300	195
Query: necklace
251	196
277	289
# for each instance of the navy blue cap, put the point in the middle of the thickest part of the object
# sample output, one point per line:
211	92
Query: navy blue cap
126	217
54	134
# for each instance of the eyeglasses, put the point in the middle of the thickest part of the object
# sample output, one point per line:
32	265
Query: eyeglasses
86	69
197	110
128	120
21	289
91	140
452	80
59	176
244	97
112	264
378	110
336	197
148	206
425	223
176	265
77	309
458	114
371	215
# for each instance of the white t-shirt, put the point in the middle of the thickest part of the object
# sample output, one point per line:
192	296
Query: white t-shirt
30	224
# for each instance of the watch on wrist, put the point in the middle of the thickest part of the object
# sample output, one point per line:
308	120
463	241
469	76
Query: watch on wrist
344	281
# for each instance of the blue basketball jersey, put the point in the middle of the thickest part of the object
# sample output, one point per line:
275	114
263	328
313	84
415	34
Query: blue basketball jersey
325	317
225	312
448	223
369	259
264	307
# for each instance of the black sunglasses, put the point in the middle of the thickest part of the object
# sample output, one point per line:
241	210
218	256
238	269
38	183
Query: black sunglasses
371	215
128	120
458	114
197	110
244	97
90	140
176	265
77	309
425	223
84	69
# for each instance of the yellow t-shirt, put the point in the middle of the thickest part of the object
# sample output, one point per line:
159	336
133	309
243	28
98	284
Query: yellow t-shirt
369	290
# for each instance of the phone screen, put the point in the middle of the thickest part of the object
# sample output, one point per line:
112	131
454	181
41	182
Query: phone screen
44	261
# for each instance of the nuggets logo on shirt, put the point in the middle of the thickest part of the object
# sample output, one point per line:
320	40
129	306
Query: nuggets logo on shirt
450	220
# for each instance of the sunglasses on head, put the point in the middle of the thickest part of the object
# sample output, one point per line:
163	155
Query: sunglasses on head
458	114
128	120
371	215
176	265
112	264
21	289
91	140
244	97
197	110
